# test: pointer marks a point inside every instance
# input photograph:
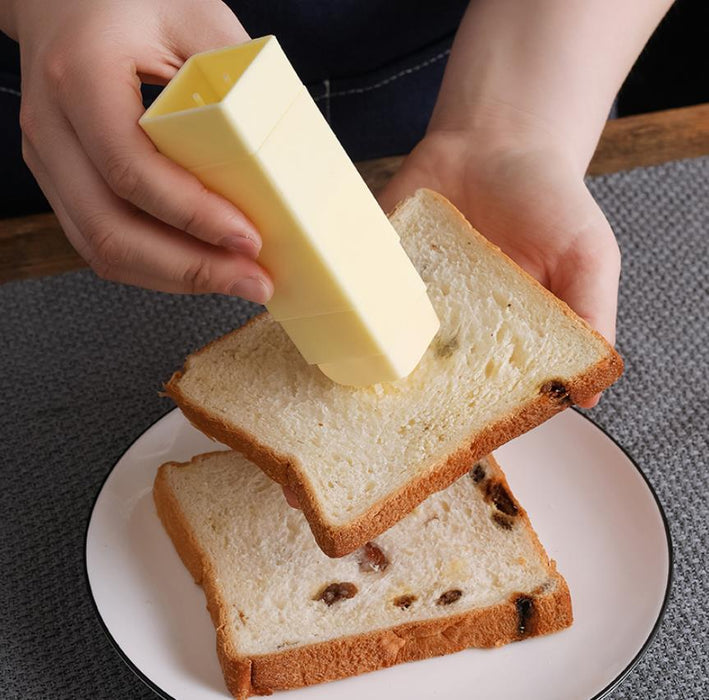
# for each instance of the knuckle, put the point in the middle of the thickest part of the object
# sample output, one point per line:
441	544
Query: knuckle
29	124
70	64
123	177
28	154
189	221
198	277
190	216
106	255
103	269
56	65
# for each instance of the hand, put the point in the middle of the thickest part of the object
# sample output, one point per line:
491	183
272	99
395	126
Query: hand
291	498
528	198
130	212
524	98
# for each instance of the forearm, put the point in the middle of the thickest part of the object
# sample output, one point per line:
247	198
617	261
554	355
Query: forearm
554	66
7	18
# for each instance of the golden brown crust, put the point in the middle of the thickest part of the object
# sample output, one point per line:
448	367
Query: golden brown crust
336	541
568	311
549	611
499	475
351	656
236	669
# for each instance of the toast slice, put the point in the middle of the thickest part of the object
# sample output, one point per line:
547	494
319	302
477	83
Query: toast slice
464	569
509	355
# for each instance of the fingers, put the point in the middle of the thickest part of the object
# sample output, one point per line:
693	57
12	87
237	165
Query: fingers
134	215
588	282
590	403
126	245
408	178
196	27
204	26
291	498
106	123
393	192
587	278
45	183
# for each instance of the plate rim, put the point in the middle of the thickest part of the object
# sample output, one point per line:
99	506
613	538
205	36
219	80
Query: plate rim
612	685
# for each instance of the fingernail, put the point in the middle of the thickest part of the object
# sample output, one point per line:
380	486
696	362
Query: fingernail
253	289
242	244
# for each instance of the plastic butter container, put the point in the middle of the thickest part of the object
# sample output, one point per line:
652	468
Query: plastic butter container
344	289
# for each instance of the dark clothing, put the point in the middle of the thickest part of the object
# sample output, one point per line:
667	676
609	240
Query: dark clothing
374	69
349	38
19	193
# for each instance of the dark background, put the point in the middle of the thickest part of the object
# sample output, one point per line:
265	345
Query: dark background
673	71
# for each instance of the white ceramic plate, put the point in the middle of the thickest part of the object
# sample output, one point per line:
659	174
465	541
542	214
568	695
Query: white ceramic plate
590	504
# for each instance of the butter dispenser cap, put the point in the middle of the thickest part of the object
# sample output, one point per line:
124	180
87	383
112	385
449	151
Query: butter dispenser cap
206	93
240	120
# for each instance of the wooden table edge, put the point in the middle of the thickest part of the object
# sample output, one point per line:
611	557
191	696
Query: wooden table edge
35	246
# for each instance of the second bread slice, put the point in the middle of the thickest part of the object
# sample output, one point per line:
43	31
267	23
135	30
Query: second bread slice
464	569
508	356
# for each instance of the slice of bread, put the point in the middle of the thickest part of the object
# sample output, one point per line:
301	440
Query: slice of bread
508	356
464	569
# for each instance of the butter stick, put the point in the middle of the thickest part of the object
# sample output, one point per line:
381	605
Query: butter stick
345	291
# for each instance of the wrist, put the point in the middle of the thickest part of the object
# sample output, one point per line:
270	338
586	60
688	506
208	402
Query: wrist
552	65
490	130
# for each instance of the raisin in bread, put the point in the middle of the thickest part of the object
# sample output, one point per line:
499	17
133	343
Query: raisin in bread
508	356
464	569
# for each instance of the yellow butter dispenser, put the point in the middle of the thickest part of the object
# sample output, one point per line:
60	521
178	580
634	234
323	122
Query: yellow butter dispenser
344	289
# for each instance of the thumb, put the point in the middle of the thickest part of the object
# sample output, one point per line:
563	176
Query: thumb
410	176
203	26
398	188
587	279
588	282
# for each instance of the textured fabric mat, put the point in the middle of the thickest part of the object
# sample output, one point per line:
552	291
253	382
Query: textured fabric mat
82	360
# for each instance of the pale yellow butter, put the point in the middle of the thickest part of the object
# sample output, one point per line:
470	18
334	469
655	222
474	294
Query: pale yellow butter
417	320
345	291
354	335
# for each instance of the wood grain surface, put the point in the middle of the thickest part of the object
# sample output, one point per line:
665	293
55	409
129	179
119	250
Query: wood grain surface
34	246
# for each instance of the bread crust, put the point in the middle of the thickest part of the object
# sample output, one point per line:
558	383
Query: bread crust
496	625
339	540
235	668
567	310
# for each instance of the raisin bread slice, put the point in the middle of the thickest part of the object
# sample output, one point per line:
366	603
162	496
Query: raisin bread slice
464	569
508	356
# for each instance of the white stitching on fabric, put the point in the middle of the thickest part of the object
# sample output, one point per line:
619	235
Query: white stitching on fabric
327	95
10	91
386	81
326	82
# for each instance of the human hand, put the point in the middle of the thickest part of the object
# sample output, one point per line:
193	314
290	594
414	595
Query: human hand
135	216
524	98
525	195
291	498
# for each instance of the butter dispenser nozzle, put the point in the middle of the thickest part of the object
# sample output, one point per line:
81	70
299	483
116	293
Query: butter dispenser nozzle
345	291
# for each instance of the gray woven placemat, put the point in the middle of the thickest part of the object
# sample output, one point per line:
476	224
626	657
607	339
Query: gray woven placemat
81	362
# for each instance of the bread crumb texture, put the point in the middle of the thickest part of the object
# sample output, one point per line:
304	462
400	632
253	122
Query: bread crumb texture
503	342
275	589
